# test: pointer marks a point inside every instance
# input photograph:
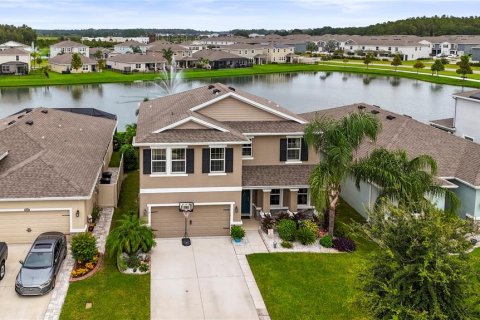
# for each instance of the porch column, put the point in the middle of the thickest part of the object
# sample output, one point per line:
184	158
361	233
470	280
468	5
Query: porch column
293	200
266	200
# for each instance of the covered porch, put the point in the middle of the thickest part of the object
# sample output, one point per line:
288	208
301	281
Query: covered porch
14	67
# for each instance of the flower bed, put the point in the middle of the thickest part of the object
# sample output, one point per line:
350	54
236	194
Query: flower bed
296	246
138	263
83	271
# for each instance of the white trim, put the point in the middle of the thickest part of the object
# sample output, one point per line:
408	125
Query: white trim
184	190
218	146
462	181
3	155
294	136
248	158
164	175
280	202
293	162
174	144
47	199
466	98
230	203
217	174
274	187
295	190
248	101
188	119
268	190
272	133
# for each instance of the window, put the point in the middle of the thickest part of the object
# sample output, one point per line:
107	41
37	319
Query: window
17	58
389	48
85	67
275	197
138	65
217	159
178	160
247	150
302	196
5	68
293	149
253	51
159	161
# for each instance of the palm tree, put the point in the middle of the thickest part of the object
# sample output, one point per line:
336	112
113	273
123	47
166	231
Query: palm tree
168	55
336	141
129	236
410	182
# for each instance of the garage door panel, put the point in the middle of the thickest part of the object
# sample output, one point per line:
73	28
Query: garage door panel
212	220
14	225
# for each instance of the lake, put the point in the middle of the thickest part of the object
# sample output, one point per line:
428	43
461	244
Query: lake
299	92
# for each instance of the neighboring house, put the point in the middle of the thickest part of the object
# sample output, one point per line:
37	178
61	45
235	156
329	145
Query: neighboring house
458	159
63	63
50	164
128	47
17	45
135	62
244	50
465	124
105	52
178	50
14	61
278	53
218	59
68	47
232	153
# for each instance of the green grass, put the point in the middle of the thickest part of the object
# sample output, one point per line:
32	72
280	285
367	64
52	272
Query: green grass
312	286
113	294
115	159
37	78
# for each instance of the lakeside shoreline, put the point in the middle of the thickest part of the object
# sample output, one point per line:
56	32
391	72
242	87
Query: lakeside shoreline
35	79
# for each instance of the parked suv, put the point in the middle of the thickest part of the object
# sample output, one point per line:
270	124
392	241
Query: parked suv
39	270
3	258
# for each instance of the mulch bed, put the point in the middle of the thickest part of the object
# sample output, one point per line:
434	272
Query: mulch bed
91	272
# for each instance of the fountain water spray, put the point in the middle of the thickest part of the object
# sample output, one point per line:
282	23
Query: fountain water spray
170	78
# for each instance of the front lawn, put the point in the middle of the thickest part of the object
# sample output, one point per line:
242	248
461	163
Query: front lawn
309	285
113	294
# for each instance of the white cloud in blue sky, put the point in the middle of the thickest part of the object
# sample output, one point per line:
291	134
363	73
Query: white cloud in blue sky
221	15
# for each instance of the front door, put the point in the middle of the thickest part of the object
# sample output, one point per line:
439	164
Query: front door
246	203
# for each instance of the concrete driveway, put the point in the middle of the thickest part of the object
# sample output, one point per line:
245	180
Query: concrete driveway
13	306
203	281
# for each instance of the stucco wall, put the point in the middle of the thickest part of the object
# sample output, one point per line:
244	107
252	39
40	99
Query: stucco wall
467	119
469	200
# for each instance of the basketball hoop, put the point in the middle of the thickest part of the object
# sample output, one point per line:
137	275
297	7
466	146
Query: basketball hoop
186	208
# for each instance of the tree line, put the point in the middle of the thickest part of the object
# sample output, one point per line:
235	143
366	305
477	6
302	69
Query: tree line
23	34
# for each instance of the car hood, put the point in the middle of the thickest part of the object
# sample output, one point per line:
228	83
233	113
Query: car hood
33	277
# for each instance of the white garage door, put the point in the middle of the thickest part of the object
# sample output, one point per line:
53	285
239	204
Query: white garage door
24	227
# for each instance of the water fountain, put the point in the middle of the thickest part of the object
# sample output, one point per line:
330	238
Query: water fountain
170	78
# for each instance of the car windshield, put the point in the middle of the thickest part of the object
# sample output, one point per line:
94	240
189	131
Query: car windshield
38	260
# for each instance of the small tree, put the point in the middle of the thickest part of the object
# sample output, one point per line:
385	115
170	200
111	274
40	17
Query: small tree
418	65
130	157
311	46
437	66
101	64
444	61
464	67
39	60
368	59
330	45
98	55
168	55
421	270
84	247
76	61
397	61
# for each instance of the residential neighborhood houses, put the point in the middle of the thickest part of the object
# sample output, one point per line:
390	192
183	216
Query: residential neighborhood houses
14	61
63	63
69	47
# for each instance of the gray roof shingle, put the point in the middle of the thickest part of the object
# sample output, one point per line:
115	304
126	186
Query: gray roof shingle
276	175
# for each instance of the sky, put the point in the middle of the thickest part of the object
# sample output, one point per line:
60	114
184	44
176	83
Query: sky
221	15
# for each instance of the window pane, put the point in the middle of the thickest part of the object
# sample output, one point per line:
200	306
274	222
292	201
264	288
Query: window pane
178	166
247	150
274	199
293	154
293	143
217	153
178	154
217	166
302	199
159	166
159	154
275	191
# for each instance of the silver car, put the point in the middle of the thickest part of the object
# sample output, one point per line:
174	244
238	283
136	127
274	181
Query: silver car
39	270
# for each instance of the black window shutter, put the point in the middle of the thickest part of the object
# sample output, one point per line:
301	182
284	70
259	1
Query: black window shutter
190	160
206	160
304	155
228	159
283	149
147	161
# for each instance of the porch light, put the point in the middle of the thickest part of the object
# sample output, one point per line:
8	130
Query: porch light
77	214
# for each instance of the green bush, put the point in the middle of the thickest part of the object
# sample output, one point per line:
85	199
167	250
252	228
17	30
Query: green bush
306	236
84	247
286	244
312	226
133	262
287	229
326	241
237	232
96	213
130	157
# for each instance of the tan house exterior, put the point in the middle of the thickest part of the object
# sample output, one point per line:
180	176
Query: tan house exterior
68	47
50	164
63	63
14	61
136	62
229	152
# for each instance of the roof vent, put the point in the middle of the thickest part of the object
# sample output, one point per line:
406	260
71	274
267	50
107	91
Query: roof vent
361	107
29	122
215	91
45	111
20	116
211	86
11	122
407	116
231	88
375	111
390	117
376	106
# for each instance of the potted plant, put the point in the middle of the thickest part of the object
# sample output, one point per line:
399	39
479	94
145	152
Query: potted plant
237	233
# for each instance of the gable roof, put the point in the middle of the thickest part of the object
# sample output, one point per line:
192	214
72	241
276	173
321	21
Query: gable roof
14	52
137	58
456	157
68	44
57	155
131	43
66	58
215	55
159	116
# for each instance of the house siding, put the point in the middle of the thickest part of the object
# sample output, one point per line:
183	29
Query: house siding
469	200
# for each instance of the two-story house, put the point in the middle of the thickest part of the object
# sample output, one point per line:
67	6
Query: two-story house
14	61
231	153
130	46
69	47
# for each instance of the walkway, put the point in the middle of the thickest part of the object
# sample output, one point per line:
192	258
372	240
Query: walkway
63	278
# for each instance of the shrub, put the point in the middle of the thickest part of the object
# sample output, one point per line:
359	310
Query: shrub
283	216
121	263
130	157
143	267
312	226
306	236
96	213
287	229
344	244
268	223
133	262
237	232
84	247
286	244
326	241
